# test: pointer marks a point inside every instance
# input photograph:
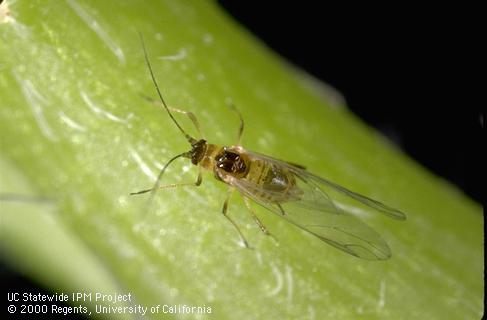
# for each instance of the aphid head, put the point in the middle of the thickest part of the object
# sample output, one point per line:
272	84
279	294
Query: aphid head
231	162
198	149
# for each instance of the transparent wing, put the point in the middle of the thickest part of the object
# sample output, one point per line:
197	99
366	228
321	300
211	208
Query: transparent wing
309	207
305	175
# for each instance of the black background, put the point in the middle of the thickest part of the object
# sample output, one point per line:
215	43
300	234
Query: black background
408	71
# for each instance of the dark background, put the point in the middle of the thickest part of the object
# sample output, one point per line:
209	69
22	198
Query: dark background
408	71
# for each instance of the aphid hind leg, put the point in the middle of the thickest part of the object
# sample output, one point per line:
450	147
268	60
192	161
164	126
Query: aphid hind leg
241	128
224	211
281	209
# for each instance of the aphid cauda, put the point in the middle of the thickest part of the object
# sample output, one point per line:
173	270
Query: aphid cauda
286	189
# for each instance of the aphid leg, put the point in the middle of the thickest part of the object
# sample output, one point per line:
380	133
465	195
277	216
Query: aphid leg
224	211
256	219
190	115
241	128
199	179
281	209
185	184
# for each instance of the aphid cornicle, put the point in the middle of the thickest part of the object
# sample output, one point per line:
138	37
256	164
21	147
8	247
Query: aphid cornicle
283	188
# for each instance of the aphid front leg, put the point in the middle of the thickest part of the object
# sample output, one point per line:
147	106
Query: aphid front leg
241	128
199	179
191	116
224	211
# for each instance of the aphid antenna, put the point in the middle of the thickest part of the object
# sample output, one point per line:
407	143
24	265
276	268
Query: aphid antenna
190	139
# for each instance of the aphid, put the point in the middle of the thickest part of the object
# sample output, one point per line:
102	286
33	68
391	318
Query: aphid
284	188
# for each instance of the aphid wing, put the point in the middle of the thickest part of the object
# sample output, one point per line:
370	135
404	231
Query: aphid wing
374	204
334	227
310	208
327	184
341	230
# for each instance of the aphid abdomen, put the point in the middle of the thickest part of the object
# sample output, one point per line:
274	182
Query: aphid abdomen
276	183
